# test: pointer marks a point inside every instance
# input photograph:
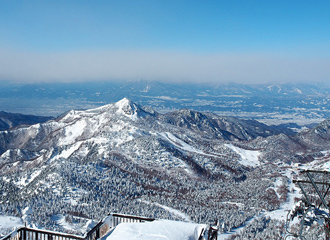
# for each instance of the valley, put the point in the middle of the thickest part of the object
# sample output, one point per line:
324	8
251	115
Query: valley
296	104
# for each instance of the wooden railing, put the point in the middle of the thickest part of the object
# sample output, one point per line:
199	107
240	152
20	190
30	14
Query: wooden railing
25	233
100	229
121	218
95	232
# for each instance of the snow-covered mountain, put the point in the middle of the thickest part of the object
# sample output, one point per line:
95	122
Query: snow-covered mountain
127	158
121	125
318	136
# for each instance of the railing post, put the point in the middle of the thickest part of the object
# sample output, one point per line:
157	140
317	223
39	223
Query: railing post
20	234
97	233
24	233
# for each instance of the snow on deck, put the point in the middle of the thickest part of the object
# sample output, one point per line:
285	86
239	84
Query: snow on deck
156	230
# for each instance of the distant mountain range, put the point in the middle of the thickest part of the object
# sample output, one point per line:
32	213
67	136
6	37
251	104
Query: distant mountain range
128	158
10	120
270	103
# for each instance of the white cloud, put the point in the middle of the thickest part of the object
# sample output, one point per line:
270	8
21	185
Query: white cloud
158	65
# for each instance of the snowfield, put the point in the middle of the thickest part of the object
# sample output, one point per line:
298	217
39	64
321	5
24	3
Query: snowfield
248	157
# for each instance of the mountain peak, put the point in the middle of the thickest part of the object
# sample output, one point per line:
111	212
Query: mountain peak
131	109
123	103
127	107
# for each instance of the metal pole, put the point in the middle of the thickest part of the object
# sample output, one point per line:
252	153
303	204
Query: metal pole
302	189
324	195
317	190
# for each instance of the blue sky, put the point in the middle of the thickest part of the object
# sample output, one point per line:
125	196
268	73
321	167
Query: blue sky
216	41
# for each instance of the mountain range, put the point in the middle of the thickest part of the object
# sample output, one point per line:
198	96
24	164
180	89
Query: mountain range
273	104
128	158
